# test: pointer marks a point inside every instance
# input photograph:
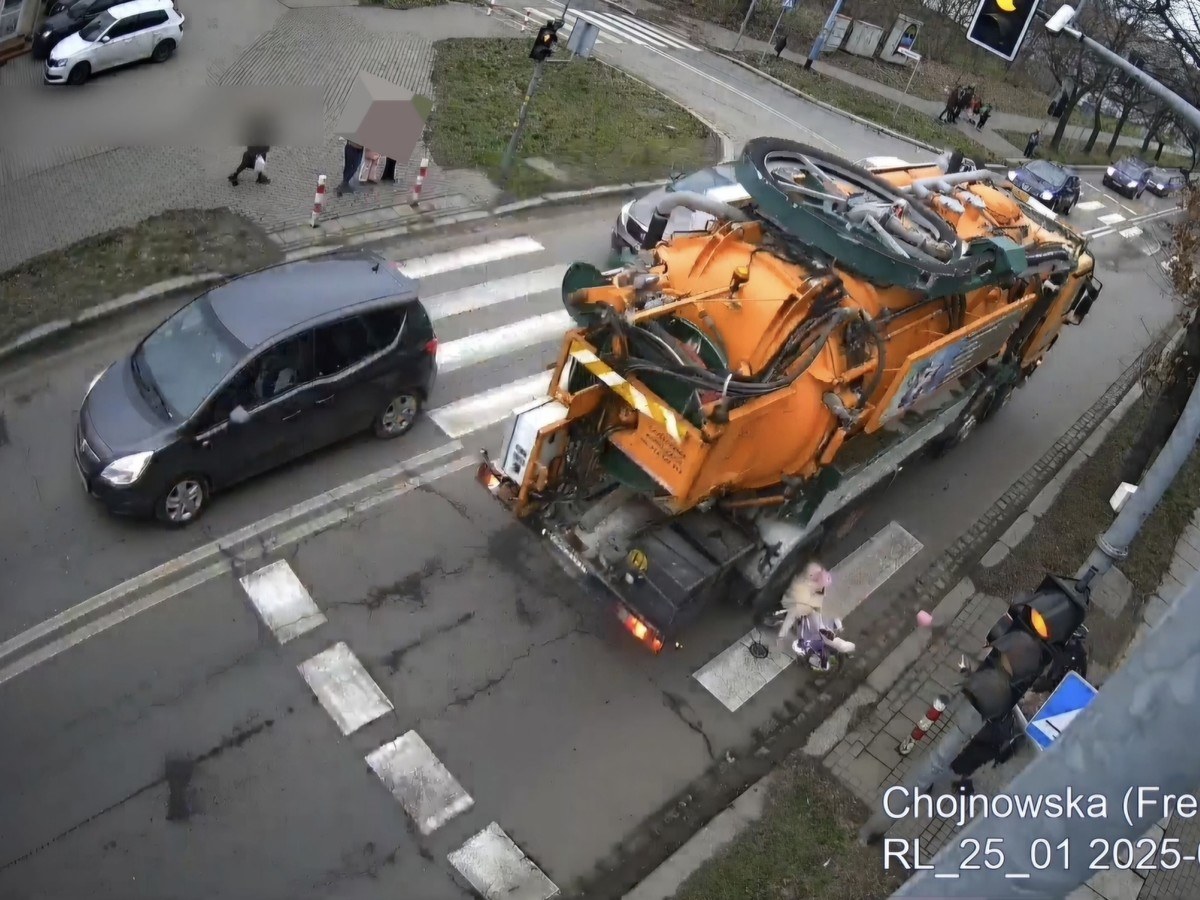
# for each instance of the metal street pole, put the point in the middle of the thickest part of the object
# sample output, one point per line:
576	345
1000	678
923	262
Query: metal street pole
771	39
823	35
1146	712
907	87
745	22
519	126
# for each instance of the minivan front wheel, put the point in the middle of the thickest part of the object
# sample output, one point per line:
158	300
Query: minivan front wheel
399	415
183	502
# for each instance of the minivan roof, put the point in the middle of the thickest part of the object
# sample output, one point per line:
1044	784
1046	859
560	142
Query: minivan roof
261	305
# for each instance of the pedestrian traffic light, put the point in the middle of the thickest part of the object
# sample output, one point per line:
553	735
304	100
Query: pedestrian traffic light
1029	637
999	26
544	43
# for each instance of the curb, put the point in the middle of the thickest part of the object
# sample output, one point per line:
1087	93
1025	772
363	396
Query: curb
106	310
829	107
666	879
475	215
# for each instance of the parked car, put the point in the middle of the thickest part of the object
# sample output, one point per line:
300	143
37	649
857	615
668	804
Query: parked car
66	19
1056	187
256	372
1163	182
122	34
1128	176
719	182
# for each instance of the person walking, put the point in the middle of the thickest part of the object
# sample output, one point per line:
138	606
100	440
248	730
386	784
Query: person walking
253	158
983	116
1032	144
352	157
947	114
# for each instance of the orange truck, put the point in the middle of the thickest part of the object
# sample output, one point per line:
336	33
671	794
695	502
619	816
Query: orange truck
734	393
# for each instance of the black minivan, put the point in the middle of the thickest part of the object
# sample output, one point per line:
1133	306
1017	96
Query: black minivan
260	370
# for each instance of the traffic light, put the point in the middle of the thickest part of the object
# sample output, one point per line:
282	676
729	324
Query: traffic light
544	43
999	26
1027	639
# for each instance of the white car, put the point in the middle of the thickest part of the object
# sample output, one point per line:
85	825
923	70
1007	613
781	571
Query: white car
123	34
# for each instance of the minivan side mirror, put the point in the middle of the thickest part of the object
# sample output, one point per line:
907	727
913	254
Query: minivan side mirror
238	415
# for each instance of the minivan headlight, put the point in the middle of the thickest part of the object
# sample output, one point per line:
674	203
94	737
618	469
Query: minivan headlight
1110	171
1131	184
1046	195
126	470
1012	175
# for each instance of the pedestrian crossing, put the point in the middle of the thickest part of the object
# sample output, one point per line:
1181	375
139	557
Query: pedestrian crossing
615	28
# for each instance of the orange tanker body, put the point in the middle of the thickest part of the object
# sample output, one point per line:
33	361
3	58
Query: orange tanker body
726	398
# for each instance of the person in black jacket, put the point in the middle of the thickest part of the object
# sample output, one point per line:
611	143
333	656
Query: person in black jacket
249	156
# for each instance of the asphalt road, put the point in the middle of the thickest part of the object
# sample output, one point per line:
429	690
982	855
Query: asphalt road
179	753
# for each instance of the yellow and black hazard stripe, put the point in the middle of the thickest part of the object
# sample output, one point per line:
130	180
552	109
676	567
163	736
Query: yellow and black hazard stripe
675	426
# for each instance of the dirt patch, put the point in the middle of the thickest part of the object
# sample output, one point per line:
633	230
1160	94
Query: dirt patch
805	845
1064	537
62	283
908	122
580	121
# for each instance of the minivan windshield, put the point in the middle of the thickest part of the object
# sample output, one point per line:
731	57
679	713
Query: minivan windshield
1048	172
1133	164
701	182
93	29
186	357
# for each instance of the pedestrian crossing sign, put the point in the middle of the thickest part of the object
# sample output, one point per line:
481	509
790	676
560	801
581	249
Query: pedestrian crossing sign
789	4
1069	699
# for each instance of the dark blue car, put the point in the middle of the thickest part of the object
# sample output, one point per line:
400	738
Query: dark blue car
1129	176
1048	183
1164	182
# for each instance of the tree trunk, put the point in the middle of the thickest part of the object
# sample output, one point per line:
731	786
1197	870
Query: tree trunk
1063	120
1112	144
1158	155
1091	141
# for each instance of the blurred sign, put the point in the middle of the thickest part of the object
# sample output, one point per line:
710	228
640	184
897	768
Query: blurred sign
789	5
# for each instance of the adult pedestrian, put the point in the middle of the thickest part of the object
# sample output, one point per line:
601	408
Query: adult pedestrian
947	114
352	157
1032	144
253	158
984	113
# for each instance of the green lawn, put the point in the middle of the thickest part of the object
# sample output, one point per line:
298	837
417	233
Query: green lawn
804	846
1098	156
595	124
870	106
181	242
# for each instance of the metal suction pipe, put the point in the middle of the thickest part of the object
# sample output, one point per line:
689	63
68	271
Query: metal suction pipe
688	200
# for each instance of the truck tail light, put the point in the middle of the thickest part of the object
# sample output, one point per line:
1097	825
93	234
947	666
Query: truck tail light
639	629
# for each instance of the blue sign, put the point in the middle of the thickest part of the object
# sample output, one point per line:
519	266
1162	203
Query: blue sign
1069	699
789	5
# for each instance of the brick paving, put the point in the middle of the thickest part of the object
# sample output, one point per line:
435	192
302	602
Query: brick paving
50	198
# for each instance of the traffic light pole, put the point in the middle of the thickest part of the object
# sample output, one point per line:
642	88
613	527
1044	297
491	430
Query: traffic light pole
510	152
827	29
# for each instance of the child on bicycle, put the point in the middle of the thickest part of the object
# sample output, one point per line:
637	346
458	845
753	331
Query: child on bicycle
804	600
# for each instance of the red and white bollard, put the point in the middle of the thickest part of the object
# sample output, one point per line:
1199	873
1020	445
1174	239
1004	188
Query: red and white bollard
931	715
318	200
491	6
525	22
416	191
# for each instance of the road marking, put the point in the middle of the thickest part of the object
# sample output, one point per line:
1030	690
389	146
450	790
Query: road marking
734	675
496	342
489	407
497	868
222	546
1112	218
570	18
465	257
1089	205
282	601
195	579
1131	232
492	293
345	690
417	778
630	29
1103	232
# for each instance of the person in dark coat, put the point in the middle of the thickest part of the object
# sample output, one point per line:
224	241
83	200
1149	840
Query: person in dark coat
947	114
249	156
1032	144
352	157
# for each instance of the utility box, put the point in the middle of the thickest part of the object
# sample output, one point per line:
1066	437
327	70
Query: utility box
837	34
583	38
864	39
903	36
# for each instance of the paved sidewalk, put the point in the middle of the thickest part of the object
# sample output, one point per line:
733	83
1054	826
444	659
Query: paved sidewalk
867	759
49	199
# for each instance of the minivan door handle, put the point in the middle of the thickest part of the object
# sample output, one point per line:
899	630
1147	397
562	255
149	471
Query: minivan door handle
324	400
291	416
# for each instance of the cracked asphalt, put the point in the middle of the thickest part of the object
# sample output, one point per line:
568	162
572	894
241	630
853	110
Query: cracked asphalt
181	756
